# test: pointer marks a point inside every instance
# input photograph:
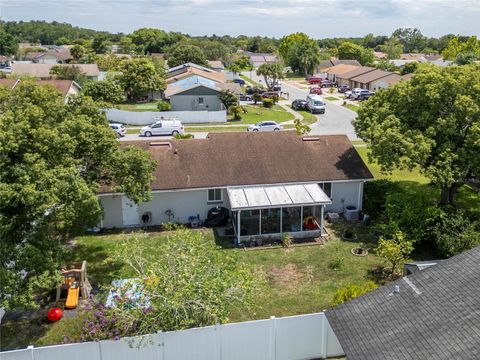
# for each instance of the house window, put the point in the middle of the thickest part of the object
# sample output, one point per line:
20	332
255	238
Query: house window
327	188
214	195
200	100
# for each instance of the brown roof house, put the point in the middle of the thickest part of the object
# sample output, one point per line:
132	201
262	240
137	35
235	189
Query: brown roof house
375	80
339	69
42	71
65	87
345	78
257	177
325	64
51	56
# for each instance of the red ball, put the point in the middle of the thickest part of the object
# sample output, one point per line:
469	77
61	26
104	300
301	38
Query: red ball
55	314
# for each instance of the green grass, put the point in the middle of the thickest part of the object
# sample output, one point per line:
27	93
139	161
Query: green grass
294	281
139	107
351	107
252	82
294	76
258	113
331	98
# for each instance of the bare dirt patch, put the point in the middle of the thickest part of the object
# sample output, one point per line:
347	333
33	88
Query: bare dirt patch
289	275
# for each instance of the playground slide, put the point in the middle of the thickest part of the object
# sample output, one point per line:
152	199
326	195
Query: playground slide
72	297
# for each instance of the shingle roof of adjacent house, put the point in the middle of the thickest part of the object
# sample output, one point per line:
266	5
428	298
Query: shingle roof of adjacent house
332	62
355	72
371	76
43	70
194	81
190	71
62	86
229	159
341	69
59	53
435	315
214	64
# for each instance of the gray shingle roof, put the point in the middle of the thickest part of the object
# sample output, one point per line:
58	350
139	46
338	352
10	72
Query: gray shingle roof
436	315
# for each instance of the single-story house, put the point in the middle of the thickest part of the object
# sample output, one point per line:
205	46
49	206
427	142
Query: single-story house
216	65
339	69
196	93
345	78
374	80
257	59
326	64
180	69
65	87
380	55
270	182
42	71
413	56
433	313
192	71
51	56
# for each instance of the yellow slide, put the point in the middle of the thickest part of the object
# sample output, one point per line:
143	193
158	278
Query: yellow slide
72	297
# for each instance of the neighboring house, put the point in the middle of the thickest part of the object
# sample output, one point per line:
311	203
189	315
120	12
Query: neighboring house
192	71
258	59
413	56
431	314
51	56
196	93
270	182
339	69
5	61
380	55
42	71
65	87
345	78
216	65
180	69
374	80
326	64
400	63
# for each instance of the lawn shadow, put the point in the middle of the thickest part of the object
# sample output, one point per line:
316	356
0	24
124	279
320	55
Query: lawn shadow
222	241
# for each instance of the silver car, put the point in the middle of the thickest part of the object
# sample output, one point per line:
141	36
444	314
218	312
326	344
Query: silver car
265	126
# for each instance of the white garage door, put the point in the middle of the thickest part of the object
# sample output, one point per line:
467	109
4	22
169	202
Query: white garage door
129	212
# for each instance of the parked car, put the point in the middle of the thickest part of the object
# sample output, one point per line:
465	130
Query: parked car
315	104
347	94
326	83
314	80
119	129
265	126
343	88
354	93
250	90
316	90
299	104
163	127
269	94
239	81
277	87
364	95
245	97
357	94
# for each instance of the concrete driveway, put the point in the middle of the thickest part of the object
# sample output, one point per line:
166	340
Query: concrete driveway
336	120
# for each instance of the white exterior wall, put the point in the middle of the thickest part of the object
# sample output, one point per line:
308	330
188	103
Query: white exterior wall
344	194
118	213
183	204
49	59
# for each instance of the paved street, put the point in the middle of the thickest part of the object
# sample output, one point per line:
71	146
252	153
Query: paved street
336	120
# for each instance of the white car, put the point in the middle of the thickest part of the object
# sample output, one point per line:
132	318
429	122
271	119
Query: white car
163	127
119	129
265	126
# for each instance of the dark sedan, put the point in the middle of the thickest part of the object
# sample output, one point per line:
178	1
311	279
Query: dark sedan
299	104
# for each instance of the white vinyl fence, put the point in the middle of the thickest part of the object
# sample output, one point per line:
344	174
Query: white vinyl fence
295	337
149	117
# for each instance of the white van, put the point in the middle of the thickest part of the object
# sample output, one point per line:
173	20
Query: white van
163	127
315	104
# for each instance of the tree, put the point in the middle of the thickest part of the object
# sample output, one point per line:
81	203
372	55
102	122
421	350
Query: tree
126	45
236	111
77	52
99	44
411	39
409	68
256	96
108	62
300	128
50	176
109	91
185	53
68	72
431	122
228	98
350	51
386	65
140	76
8	44
149	40
163	105
395	250
190	284
456	47
214	50
300	52
287	42
393	48
272	71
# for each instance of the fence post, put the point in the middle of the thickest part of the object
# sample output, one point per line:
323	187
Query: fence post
218	341
161	344
324	335
273	338
100	355
30	347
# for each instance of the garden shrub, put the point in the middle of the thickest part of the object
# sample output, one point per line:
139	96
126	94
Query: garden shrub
171	226
351	292
337	263
163	105
267	103
374	195
395	250
183	136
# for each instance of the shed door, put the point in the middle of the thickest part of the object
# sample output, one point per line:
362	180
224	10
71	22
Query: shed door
129	212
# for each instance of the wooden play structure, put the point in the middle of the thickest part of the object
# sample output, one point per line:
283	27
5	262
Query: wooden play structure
76	283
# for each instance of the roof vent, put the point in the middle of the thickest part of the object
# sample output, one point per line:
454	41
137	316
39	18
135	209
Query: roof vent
396	289
161	144
311	138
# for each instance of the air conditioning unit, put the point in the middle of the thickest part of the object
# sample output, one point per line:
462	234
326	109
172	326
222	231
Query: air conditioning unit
351	213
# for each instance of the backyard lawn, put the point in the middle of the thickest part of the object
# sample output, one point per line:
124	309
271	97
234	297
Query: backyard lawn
258	113
351	107
139	107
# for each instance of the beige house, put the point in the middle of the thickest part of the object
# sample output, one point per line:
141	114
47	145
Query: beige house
42	71
375	80
51	56
337	70
326	64
345	78
65	87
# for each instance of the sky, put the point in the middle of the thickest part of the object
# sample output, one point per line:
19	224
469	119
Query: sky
273	18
